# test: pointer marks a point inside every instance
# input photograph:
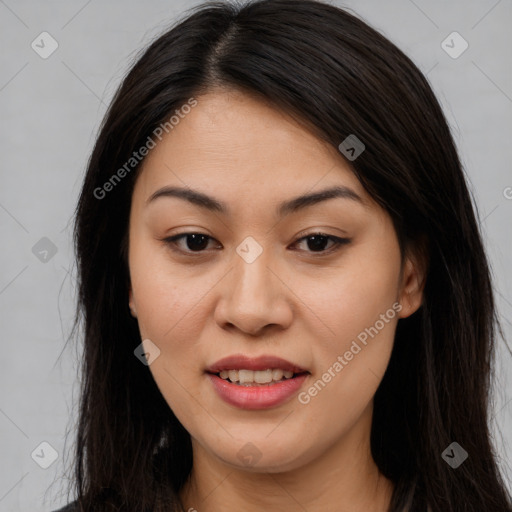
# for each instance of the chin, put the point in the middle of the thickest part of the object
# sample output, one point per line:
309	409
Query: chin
263	454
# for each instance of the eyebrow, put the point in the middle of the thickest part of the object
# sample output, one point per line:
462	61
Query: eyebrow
293	205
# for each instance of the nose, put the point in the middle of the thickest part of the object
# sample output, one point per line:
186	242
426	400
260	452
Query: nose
255	298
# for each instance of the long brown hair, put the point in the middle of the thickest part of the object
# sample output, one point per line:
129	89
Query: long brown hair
339	76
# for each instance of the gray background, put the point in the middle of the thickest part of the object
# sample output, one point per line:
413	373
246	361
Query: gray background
50	110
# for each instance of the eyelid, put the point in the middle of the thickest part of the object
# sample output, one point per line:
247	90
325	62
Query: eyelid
338	242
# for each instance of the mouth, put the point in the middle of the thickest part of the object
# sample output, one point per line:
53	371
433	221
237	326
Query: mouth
256	383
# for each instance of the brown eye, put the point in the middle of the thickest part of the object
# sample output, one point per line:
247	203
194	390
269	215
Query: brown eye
194	242
316	242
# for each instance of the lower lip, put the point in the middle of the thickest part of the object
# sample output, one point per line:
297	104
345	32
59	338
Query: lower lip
259	396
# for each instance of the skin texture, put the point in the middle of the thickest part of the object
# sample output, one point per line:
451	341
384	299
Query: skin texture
292	302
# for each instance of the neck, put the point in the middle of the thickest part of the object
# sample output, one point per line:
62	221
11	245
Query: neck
343	478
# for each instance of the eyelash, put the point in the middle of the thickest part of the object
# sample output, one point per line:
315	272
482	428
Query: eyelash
338	242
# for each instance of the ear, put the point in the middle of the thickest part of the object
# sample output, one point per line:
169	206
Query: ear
131	304
414	275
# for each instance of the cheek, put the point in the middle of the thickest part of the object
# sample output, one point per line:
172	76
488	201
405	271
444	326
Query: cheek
359	313
354	297
161	296
167	306
349	365
169	314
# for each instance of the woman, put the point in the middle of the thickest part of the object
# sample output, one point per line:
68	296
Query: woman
285	296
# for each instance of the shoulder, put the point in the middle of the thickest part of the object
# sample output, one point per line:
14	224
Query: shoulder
70	507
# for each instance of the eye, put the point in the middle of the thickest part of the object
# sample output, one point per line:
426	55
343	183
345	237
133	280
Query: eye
317	241
194	242
197	242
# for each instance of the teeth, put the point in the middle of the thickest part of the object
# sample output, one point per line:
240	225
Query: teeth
277	374
263	377
246	377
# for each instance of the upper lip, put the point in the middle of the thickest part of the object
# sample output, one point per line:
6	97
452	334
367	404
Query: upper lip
264	362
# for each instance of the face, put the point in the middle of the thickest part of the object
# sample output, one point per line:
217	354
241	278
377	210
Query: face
254	274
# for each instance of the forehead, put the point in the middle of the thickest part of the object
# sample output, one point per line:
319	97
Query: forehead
235	145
